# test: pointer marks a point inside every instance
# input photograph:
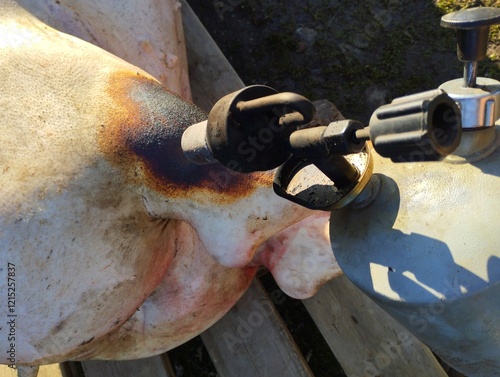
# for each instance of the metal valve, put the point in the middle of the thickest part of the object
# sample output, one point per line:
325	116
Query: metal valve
248	130
473	27
256	129
478	97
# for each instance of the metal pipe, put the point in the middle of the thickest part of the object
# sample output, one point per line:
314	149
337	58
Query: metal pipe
470	74
194	144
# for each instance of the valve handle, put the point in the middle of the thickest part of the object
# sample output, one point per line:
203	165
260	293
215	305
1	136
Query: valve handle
248	130
473	27
420	127
471	18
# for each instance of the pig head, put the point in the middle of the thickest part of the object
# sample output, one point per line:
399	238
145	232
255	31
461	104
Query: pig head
113	245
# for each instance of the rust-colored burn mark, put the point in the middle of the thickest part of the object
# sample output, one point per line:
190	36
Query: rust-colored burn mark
142	135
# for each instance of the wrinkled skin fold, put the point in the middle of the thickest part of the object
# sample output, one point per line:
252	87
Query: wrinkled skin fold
120	247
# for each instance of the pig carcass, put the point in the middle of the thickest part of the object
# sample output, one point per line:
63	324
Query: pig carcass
112	245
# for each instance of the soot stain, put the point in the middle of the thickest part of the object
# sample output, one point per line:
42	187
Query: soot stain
151	129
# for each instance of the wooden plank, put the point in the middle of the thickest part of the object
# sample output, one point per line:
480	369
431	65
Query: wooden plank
210	73
149	367
5	371
52	370
365	340
252	341
72	369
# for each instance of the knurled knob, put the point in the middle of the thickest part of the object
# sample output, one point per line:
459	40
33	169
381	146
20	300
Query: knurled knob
473	26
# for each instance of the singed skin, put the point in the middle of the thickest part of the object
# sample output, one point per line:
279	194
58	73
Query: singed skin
122	248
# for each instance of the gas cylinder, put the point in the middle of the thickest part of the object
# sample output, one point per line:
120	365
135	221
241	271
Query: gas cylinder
421	239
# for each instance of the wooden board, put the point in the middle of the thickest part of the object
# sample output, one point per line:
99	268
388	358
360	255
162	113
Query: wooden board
52	370
365	339
252	341
157	366
211	75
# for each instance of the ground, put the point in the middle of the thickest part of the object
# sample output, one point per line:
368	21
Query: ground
357	55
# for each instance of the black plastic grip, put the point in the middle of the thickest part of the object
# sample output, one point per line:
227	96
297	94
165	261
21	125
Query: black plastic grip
420	127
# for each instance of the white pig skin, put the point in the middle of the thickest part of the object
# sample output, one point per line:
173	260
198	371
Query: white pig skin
120	247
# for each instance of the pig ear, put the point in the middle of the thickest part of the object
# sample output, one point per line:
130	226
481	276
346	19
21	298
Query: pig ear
300	257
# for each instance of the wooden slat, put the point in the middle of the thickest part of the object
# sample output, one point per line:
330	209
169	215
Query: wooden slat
5	371
365	340
252	341
149	367
72	369
52	370
211	75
